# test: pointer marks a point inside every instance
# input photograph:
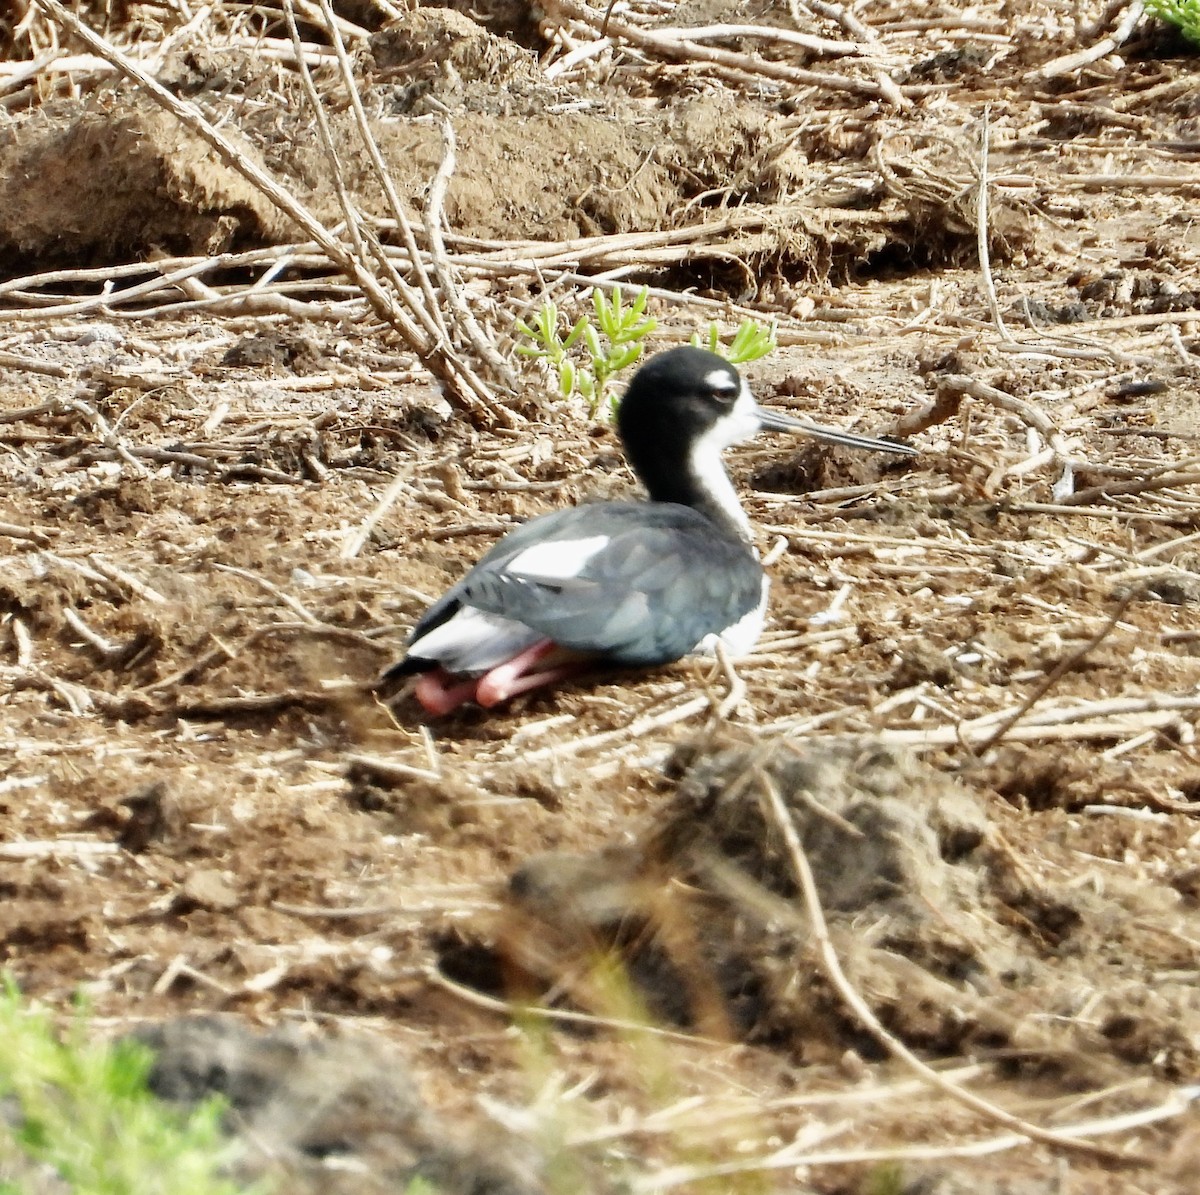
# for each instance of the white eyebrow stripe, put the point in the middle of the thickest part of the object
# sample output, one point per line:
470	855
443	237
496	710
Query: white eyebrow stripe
721	379
559	559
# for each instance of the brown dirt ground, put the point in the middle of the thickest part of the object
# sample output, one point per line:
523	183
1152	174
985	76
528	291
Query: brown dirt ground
194	814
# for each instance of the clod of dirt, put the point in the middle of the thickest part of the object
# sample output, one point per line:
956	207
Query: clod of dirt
1176	589
334	1115
443	52
872	821
952	944
704	907
921	662
299	354
1186	881
821	467
1042	778
151	815
221	70
208	888
511	19
1041	312
112	184
951	64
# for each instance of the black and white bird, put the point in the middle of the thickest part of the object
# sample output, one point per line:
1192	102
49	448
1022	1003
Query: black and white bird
618	583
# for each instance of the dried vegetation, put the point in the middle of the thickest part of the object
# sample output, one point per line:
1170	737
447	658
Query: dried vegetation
921	888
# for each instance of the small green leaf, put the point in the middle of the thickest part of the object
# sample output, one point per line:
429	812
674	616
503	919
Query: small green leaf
607	317
566	378
1183	14
576	332
750	342
623	358
592	340
546	325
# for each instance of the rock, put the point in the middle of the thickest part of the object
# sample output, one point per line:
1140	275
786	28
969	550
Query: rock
334	1115
208	888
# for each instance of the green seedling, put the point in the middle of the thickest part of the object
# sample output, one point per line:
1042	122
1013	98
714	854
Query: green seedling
1183	14
83	1109
591	354
887	1178
750	342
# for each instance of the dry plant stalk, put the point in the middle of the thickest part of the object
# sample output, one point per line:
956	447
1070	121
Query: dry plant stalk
464	386
865	35
1093	53
1057	673
778	811
1028	412
981	232
427	304
675	45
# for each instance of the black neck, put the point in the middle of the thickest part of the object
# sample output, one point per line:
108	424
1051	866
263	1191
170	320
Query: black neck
677	477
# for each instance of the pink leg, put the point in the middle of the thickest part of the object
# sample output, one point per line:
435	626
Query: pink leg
489	693
513	676
438	695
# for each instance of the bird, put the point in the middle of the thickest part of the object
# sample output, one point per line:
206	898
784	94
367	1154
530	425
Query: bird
625	583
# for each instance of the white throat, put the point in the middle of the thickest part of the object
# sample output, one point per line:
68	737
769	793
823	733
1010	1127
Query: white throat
707	468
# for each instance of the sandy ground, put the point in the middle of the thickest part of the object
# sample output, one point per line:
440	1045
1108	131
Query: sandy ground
975	700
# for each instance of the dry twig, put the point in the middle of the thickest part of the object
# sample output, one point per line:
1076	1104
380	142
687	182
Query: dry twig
1064	666
1093	53
728	63
981	232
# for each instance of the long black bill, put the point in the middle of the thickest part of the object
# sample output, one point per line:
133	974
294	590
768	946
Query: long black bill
773	421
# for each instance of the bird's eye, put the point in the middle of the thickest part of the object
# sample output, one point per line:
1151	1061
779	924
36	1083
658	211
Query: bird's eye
722	386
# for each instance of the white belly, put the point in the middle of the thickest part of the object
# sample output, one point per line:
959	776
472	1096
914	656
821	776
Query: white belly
739	638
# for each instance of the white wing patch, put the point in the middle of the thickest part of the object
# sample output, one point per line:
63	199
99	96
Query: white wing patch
558	560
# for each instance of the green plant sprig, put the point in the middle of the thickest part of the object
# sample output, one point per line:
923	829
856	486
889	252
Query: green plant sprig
591	354
750	342
1183	14
83	1108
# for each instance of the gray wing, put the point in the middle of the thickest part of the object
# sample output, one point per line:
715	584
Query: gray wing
665	579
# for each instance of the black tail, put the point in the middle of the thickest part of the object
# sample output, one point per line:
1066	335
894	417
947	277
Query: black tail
409	666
